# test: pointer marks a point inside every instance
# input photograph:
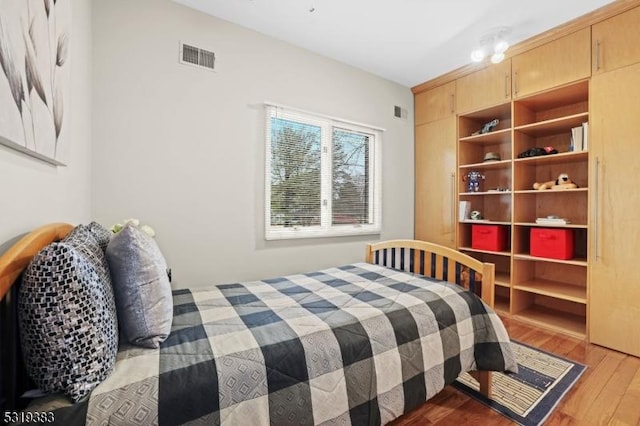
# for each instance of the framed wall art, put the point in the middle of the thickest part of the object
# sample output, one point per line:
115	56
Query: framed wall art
34	77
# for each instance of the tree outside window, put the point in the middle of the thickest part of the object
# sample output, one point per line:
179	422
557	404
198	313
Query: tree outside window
323	177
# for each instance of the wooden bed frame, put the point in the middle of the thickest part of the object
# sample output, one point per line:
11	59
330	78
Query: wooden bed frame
413	256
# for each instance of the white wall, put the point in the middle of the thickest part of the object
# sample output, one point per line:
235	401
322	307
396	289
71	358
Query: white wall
35	193
182	148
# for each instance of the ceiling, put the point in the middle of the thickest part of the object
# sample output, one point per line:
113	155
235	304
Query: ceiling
406	41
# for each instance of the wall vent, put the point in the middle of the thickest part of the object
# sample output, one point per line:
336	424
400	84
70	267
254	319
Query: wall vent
201	58
399	112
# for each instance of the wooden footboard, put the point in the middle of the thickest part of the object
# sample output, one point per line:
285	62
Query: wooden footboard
442	263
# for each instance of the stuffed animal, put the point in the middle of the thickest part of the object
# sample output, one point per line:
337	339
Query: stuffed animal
563	182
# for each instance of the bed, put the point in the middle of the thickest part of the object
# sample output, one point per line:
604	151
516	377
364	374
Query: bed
356	344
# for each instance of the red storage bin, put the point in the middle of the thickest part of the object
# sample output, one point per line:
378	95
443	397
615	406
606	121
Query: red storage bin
552	243
489	237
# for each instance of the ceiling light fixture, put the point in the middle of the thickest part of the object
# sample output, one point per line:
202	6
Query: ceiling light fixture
494	41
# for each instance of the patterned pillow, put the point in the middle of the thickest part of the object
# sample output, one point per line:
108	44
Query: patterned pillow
67	318
102	234
89	240
141	286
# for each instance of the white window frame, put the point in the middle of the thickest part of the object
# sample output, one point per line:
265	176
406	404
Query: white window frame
326	228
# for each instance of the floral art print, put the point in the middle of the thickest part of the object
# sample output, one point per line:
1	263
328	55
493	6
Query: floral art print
34	77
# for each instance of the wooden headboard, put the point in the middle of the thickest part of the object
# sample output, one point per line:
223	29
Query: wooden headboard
16	259
13	262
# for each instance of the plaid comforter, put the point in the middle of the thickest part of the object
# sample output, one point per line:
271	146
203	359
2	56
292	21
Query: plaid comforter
360	344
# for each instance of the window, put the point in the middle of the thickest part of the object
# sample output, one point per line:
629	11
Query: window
322	176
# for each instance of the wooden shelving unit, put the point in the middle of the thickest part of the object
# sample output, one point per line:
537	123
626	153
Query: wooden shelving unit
586	71
548	292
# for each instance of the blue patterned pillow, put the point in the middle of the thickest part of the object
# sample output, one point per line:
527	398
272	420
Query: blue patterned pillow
141	286
67	317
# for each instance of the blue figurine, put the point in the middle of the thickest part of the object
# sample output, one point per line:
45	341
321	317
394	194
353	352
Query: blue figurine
473	179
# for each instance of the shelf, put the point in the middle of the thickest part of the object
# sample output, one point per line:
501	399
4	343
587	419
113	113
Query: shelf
501	304
539	225
552	99
502	111
555	320
576	262
555	289
491	138
485	222
502	279
502	164
550	191
570	204
497	253
554	126
475	194
561	157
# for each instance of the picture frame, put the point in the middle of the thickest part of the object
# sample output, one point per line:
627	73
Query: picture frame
34	77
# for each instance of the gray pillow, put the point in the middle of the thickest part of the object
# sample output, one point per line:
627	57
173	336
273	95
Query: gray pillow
67	316
141	286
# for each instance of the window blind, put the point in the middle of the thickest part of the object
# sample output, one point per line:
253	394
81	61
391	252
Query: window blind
322	176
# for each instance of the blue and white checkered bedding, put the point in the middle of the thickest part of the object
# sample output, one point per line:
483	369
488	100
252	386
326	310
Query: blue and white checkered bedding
360	344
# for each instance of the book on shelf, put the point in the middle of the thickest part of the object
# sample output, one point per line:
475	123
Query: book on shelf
577	140
464	210
585	135
552	221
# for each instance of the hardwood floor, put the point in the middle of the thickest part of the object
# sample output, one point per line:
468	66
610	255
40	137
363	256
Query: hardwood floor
608	393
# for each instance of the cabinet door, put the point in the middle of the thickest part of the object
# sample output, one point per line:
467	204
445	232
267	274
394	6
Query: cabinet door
435	104
435	151
615	41
615	229
559	62
484	88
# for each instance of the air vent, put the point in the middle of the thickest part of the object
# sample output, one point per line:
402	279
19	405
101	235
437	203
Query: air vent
191	55
399	112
